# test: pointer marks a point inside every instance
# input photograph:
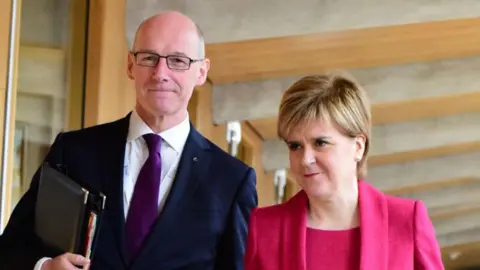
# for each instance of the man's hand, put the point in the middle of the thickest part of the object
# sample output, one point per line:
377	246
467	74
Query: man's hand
67	261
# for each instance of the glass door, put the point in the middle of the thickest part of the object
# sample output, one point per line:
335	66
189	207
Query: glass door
47	93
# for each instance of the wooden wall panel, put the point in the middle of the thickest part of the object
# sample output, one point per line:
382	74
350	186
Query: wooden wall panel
107	84
76	64
200	110
5	7
253	153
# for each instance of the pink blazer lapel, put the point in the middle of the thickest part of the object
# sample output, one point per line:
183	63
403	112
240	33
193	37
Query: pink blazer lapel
373	228
294	229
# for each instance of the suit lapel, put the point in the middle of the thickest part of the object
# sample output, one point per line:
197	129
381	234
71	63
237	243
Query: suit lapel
373	228
112	180
294	233
193	166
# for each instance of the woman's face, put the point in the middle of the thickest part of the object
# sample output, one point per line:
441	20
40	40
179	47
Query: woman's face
322	159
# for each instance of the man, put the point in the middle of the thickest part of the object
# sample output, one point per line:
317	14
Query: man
191	214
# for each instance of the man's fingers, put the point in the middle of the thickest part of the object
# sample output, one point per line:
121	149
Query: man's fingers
76	259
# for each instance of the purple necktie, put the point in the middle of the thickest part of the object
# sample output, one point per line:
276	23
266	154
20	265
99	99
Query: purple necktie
143	209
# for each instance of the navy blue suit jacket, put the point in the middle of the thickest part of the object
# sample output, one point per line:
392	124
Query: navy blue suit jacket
203	224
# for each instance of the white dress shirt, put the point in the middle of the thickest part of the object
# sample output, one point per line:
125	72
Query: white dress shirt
136	153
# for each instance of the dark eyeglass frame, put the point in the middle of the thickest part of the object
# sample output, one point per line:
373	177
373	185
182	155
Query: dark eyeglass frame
167	57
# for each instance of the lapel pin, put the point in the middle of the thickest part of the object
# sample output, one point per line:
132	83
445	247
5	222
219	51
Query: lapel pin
195	159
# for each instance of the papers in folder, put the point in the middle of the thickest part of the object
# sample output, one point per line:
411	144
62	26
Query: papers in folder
67	216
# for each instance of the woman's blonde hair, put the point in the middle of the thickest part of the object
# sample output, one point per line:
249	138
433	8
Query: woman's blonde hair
334	97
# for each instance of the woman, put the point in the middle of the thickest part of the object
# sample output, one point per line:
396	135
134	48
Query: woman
337	221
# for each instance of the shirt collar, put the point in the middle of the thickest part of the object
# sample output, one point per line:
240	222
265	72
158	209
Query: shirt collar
176	136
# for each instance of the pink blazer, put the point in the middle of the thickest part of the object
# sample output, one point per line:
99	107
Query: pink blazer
396	234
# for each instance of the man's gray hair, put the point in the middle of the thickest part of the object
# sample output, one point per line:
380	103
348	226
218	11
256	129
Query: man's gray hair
201	39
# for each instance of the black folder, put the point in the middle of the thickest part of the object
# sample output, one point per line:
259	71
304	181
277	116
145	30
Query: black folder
67	215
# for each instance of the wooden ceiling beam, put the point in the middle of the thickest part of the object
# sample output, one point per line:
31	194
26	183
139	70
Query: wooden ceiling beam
262	59
420	154
430	186
399	111
468	258
451	212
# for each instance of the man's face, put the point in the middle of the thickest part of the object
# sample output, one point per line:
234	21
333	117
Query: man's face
164	89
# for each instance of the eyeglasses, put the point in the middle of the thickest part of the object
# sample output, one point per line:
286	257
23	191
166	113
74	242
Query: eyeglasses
175	62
